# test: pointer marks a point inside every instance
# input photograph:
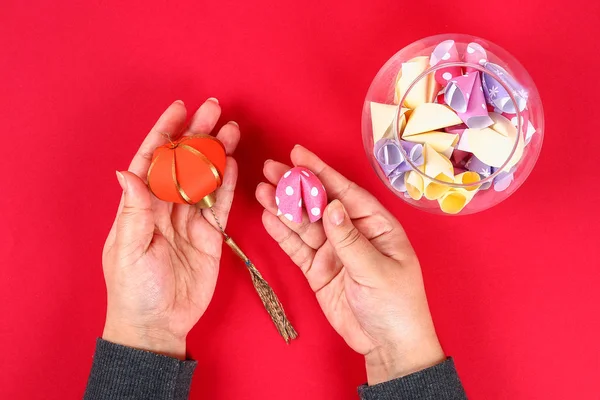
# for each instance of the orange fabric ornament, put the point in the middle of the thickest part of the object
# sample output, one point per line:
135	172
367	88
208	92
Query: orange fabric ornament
188	170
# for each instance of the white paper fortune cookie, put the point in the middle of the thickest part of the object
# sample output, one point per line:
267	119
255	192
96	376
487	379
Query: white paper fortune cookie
493	145
455	199
423	91
382	119
464	94
440	141
475	54
439	167
445	52
430	117
526	124
299	186
505	127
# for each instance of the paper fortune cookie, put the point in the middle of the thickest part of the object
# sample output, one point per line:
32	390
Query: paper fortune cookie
497	95
464	94
188	171
445	52
440	141
430	117
423	91
383	117
475	55
298	187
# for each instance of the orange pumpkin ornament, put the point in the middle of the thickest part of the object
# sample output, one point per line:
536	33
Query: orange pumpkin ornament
189	171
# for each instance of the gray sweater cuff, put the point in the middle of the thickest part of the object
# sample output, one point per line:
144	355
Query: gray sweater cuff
439	382
120	372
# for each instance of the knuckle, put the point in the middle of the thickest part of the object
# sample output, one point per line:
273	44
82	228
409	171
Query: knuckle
349	239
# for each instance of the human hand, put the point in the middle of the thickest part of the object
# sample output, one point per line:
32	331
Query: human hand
363	270
161	260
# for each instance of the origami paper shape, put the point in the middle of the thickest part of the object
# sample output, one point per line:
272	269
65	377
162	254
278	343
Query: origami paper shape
476	165
526	124
497	95
300	186
430	117
397	180
475	54
423	91
414	185
382	117
503	180
464	94
388	155
440	141
415	154
445	52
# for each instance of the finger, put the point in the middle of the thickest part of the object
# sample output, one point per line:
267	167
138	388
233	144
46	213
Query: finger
135	223
311	233
170	123
229	135
358	202
361	259
299	252
224	196
274	170
387	236
205	118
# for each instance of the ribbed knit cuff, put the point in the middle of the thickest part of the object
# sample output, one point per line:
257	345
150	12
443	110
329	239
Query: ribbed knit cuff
439	382
120	372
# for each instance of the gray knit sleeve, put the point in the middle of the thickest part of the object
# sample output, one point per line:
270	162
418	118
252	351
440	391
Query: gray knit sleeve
124	373
439	382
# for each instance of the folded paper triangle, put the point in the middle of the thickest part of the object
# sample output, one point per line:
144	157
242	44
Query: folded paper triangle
440	141
382	117
423	90
430	117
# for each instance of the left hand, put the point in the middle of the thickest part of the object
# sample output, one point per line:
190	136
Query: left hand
161	260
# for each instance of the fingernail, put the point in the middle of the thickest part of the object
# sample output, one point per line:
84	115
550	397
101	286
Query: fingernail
297	145
268	160
336	212
213	99
179	102
122	181
234	123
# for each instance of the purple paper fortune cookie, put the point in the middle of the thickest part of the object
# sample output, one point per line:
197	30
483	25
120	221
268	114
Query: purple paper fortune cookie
388	155
497	95
414	152
464	94
503	180
397	180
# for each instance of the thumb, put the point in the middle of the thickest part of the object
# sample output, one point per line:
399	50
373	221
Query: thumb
135	222
354	250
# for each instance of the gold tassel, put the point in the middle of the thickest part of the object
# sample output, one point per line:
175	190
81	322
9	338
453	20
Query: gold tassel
266	293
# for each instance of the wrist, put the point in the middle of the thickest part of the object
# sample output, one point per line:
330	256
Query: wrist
385	364
144	338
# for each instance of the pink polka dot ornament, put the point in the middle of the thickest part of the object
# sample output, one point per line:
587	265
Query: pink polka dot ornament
300	187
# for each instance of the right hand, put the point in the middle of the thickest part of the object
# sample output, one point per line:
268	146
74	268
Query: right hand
363	270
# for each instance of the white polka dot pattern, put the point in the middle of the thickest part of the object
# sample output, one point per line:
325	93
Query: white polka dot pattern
300	187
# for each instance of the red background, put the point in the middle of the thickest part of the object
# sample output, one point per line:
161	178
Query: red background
514	291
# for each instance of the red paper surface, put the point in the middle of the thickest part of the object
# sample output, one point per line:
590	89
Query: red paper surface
81	84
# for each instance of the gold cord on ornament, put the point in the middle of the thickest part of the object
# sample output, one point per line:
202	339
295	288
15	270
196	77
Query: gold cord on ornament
266	293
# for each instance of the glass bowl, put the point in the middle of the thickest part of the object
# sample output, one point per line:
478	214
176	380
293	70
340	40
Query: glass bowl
453	124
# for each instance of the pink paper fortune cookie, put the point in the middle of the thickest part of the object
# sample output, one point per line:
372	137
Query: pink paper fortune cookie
297	186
